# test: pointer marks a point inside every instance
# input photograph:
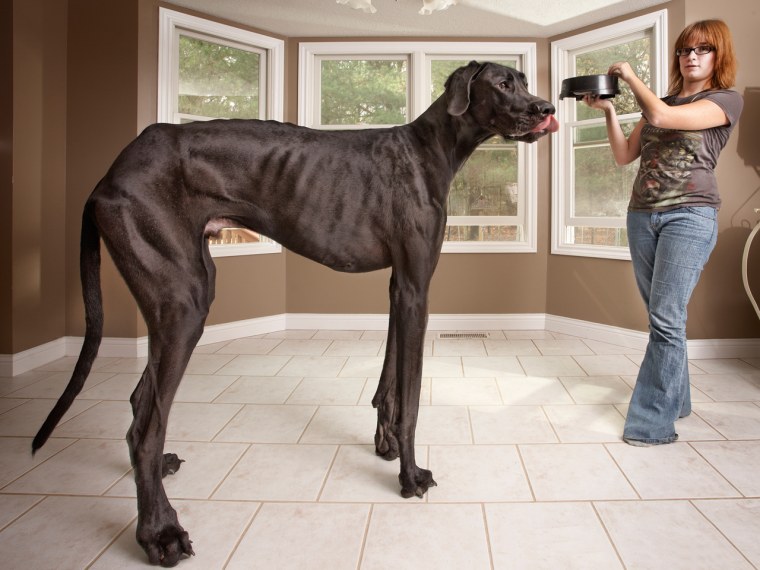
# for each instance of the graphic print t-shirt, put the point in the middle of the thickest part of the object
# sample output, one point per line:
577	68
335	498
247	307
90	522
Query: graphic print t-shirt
677	167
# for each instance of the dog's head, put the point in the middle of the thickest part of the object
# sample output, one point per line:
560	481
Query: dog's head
497	98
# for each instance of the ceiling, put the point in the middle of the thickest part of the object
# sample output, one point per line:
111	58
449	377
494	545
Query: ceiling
474	18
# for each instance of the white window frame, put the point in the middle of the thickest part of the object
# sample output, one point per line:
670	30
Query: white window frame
419	55
563	52
171	24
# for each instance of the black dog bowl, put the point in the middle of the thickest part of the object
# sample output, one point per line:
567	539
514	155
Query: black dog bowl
605	86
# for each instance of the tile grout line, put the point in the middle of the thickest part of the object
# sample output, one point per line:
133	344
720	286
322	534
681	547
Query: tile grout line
298	441
220	394
234	465
74	440
488	534
365	535
113	541
551	425
718	471
607	533
11	522
243	533
622	472
717	528
327	474
534	500
227	424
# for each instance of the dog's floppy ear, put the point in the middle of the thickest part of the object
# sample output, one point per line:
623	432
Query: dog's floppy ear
458	87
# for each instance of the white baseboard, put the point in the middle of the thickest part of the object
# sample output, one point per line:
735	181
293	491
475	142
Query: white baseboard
314	321
241	329
438	322
521	322
604	333
701	349
111	346
15	364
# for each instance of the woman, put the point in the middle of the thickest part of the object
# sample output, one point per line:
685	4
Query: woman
672	215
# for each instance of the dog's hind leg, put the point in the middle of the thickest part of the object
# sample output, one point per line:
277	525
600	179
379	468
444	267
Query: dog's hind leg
172	338
174	290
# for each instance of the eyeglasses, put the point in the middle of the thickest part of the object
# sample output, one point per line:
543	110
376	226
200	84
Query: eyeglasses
699	50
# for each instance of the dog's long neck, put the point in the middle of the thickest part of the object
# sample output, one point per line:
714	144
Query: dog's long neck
458	137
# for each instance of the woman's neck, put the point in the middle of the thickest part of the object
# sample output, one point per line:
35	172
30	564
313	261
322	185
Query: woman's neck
693	87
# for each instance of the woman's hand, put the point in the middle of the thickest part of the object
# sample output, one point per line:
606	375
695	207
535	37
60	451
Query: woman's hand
623	70
596	102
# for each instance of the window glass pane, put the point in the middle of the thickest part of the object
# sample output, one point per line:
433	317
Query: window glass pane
484	233
599	236
363	92
487	183
218	81
636	52
601	187
440	69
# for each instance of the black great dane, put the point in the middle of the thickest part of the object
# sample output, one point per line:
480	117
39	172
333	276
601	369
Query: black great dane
352	200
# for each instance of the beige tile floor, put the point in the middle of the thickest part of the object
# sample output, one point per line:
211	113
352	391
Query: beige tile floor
522	432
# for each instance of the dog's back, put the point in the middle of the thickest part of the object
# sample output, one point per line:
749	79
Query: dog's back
301	187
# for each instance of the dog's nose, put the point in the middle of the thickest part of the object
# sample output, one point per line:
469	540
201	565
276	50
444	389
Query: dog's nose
543	108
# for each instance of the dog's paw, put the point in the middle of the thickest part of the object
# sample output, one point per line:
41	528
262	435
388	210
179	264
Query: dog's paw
386	444
171	464
422	481
168	547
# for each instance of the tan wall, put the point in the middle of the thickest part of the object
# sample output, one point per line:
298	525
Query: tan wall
39	169
720	307
102	119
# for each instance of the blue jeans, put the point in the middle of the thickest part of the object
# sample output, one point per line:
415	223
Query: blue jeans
668	251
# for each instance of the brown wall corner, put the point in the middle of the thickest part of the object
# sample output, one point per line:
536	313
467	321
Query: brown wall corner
6	174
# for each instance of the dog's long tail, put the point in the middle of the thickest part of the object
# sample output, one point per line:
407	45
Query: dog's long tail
89	268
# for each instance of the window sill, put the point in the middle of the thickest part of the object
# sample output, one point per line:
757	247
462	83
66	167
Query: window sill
493	247
600	252
236	249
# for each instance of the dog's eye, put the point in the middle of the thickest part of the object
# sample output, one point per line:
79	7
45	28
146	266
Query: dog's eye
505	85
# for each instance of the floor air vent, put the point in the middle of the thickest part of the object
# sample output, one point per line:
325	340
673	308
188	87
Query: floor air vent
462	336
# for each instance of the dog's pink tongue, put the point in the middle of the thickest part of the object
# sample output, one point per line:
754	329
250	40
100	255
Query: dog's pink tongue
549	124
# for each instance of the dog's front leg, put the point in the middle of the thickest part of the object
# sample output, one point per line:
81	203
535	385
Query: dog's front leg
409	298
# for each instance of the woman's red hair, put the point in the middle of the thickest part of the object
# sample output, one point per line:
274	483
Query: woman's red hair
714	33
